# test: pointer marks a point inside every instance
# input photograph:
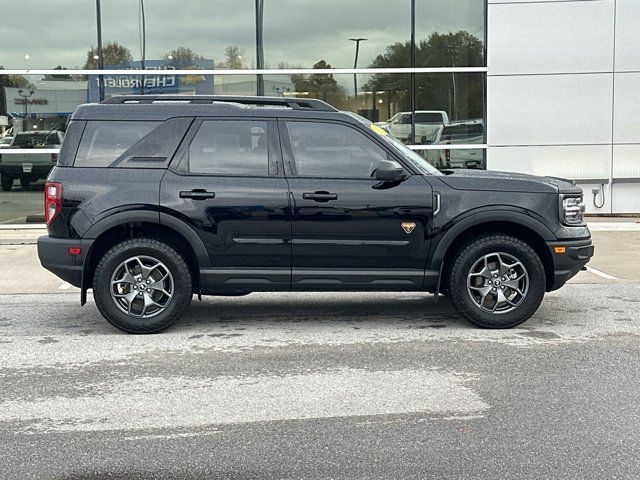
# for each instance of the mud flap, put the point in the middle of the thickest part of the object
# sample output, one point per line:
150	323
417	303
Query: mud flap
436	292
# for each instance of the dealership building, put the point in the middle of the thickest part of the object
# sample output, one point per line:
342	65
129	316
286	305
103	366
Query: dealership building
547	87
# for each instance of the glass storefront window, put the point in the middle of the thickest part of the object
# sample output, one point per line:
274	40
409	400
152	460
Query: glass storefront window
450	33
300	34
48	34
200	34
455	158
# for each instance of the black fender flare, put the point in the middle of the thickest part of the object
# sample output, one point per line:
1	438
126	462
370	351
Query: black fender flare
145	216
154	217
478	218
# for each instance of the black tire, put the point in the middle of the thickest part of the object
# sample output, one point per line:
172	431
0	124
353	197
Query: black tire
465	260
25	182
7	183
146	247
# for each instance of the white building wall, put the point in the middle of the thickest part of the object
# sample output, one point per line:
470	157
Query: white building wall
563	94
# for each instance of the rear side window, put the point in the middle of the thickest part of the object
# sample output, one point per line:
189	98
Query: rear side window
40	139
104	141
230	147
429	117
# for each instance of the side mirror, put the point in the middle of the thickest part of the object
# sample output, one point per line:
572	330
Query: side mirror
424	141
390	171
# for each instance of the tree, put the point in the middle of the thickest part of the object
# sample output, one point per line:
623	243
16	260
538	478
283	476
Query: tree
320	85
113	54
461	94
10	81
13	81
182	57
58	76
233	59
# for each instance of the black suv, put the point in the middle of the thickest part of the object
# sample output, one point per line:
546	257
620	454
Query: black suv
155	198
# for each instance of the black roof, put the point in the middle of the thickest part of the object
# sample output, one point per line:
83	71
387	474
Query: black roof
160	107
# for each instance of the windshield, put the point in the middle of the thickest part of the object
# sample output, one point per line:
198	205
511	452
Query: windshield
420	163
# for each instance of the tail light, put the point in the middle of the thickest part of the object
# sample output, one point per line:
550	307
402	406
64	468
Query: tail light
447	154
52	201
54	158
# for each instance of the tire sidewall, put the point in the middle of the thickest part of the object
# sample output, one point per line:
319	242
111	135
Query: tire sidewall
142	247
497	244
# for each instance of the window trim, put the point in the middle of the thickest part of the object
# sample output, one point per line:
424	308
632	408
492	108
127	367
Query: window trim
289	157
179	163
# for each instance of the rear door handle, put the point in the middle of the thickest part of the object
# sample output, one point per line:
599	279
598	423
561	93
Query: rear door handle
320	196
198	194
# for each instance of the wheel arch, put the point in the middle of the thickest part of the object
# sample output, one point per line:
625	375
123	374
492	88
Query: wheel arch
162	227
525	228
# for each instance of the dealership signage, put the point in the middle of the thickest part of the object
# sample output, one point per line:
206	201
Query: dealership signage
31	101
127	84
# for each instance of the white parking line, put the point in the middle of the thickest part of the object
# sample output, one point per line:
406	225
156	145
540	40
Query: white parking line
614	227
595	271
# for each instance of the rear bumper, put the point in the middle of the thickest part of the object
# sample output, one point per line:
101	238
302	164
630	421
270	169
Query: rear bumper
17	171
567	264
54	256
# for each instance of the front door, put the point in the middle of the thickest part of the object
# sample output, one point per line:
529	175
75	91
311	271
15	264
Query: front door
229	187
350	230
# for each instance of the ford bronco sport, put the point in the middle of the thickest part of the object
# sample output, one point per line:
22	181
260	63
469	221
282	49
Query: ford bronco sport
156	198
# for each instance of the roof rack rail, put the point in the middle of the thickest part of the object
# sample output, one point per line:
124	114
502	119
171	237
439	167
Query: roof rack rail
293	103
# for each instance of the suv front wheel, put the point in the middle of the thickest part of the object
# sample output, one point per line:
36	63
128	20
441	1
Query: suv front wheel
497	281
142	286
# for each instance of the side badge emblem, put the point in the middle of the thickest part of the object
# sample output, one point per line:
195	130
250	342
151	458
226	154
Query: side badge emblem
408	227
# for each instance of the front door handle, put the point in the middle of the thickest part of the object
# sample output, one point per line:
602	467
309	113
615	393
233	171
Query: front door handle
320	196
197	194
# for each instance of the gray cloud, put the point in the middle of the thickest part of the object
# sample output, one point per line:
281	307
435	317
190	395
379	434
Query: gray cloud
299	32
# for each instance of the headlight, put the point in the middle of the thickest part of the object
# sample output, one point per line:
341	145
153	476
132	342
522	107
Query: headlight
572	209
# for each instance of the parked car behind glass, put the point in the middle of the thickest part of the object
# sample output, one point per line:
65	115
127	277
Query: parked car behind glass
427	122
457	133
29	166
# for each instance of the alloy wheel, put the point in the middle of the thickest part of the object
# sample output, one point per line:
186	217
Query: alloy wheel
142	286
498	282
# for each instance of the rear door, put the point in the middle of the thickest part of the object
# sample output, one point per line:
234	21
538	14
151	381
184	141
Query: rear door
350	231
228	185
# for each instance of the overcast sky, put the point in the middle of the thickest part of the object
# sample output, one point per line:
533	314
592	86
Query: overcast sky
298	32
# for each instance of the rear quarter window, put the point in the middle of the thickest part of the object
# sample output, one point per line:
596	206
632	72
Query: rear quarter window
105	141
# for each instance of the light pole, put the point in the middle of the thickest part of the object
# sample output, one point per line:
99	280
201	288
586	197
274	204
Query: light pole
355	65
259	46
143	44
99	52
25	102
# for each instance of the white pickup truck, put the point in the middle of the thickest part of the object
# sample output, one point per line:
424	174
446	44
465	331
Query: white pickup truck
427	122
29	166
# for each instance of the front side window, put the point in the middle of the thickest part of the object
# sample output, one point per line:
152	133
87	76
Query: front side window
230	147
332	150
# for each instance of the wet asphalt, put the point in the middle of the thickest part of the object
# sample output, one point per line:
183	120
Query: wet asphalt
323	386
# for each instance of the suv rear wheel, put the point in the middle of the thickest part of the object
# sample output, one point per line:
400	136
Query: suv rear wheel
142	286
497	281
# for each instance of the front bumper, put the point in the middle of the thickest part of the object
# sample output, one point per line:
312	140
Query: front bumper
568	262
54	256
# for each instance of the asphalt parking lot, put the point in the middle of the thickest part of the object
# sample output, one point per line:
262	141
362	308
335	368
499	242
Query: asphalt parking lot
351	386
